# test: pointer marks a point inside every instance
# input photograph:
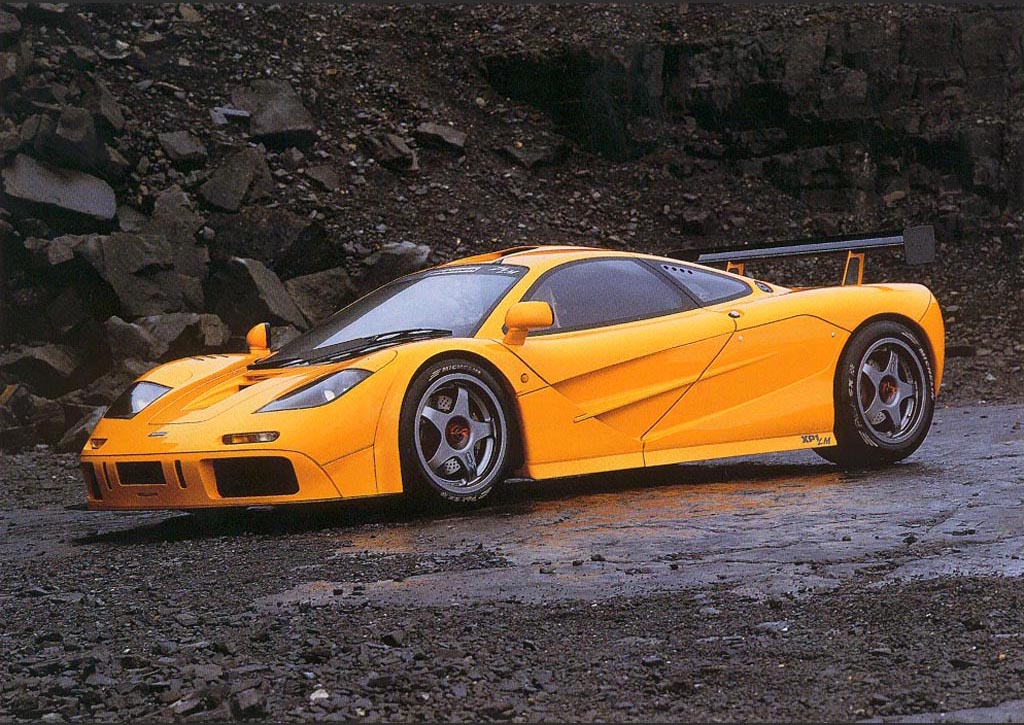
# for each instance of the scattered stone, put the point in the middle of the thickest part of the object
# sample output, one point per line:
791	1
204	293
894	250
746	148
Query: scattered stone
248	704
392	260
10	28
184	333
434	135
392	152
52	252
45	188
175	220
47	369
128	340
104	107
244	292
222	115
277	116
77	435
139	268
321	294
394	638
293	159
530	158
287	243
232	181
325	177
182	148
27	419
73	141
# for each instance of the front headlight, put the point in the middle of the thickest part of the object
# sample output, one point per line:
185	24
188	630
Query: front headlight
318	392
132	401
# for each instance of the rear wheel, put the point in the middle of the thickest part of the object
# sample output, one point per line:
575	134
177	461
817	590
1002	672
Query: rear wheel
456	433
884	397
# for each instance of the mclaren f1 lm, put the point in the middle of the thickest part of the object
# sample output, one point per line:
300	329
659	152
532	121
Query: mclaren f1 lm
537	362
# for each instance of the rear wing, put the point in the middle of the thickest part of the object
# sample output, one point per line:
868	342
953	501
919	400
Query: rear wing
918	248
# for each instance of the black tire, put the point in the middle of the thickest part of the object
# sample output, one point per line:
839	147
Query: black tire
457	434
884	397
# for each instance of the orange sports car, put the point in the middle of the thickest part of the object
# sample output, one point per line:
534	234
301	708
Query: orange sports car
538	362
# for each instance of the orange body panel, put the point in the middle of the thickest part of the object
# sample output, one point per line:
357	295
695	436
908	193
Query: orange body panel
749	376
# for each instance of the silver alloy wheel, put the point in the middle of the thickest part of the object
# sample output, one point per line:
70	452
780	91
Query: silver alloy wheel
890	390
460	433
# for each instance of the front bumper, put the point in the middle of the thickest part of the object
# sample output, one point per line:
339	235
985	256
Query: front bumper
211	479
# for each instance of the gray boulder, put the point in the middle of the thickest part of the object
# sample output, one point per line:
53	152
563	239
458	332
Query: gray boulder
244	292
130	341
40	187
182	148
289	244
27	419
325	177
140	270
276	114
392	152
10	28
77	435
175	220
184	333
47	369
321	294
242	174
393	260
434	135
103	390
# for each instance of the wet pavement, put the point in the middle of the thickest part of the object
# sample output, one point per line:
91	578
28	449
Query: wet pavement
786	523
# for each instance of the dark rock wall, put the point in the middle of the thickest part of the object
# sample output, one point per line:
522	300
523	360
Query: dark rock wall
172	174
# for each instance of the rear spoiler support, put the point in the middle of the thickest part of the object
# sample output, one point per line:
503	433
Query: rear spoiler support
918	248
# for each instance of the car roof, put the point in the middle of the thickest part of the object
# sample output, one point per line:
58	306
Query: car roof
541	257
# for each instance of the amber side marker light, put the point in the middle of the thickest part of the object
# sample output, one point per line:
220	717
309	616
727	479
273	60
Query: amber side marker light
266	436
95	443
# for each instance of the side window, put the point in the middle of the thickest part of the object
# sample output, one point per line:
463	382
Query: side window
605	291
708	288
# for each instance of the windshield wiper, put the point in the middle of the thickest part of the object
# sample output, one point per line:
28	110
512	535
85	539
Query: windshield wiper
351	348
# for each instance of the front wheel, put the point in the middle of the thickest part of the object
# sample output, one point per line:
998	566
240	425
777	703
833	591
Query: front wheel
884	397
456	433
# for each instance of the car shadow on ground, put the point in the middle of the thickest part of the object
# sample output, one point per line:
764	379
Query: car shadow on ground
516	497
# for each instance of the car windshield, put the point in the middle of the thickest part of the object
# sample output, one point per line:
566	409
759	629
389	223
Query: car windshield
451	299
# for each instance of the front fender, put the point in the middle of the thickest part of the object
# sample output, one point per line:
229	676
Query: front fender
411	359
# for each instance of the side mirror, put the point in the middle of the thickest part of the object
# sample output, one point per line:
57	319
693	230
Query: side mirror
258	338
525	316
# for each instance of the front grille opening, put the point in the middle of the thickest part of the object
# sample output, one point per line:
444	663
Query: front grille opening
143	473
180	474
91	482
256	476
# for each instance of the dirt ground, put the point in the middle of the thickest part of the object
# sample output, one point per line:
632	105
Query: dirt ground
771	588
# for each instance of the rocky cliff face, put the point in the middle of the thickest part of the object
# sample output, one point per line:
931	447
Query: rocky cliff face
173	174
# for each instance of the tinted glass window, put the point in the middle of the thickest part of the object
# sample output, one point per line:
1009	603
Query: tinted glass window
450	298
605	291
707	287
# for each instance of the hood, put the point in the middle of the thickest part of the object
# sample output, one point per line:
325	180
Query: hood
204	387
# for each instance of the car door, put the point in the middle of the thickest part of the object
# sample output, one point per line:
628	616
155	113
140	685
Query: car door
772	380
625	344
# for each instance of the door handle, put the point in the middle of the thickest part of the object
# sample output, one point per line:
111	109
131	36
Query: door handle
735	313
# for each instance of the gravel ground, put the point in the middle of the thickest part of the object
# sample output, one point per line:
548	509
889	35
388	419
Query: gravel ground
772	588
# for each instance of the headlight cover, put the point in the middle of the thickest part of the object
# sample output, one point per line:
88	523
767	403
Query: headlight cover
132	401
319	392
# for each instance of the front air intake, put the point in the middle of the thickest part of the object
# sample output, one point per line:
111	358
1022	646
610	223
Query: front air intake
143	473
255	476
91	482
